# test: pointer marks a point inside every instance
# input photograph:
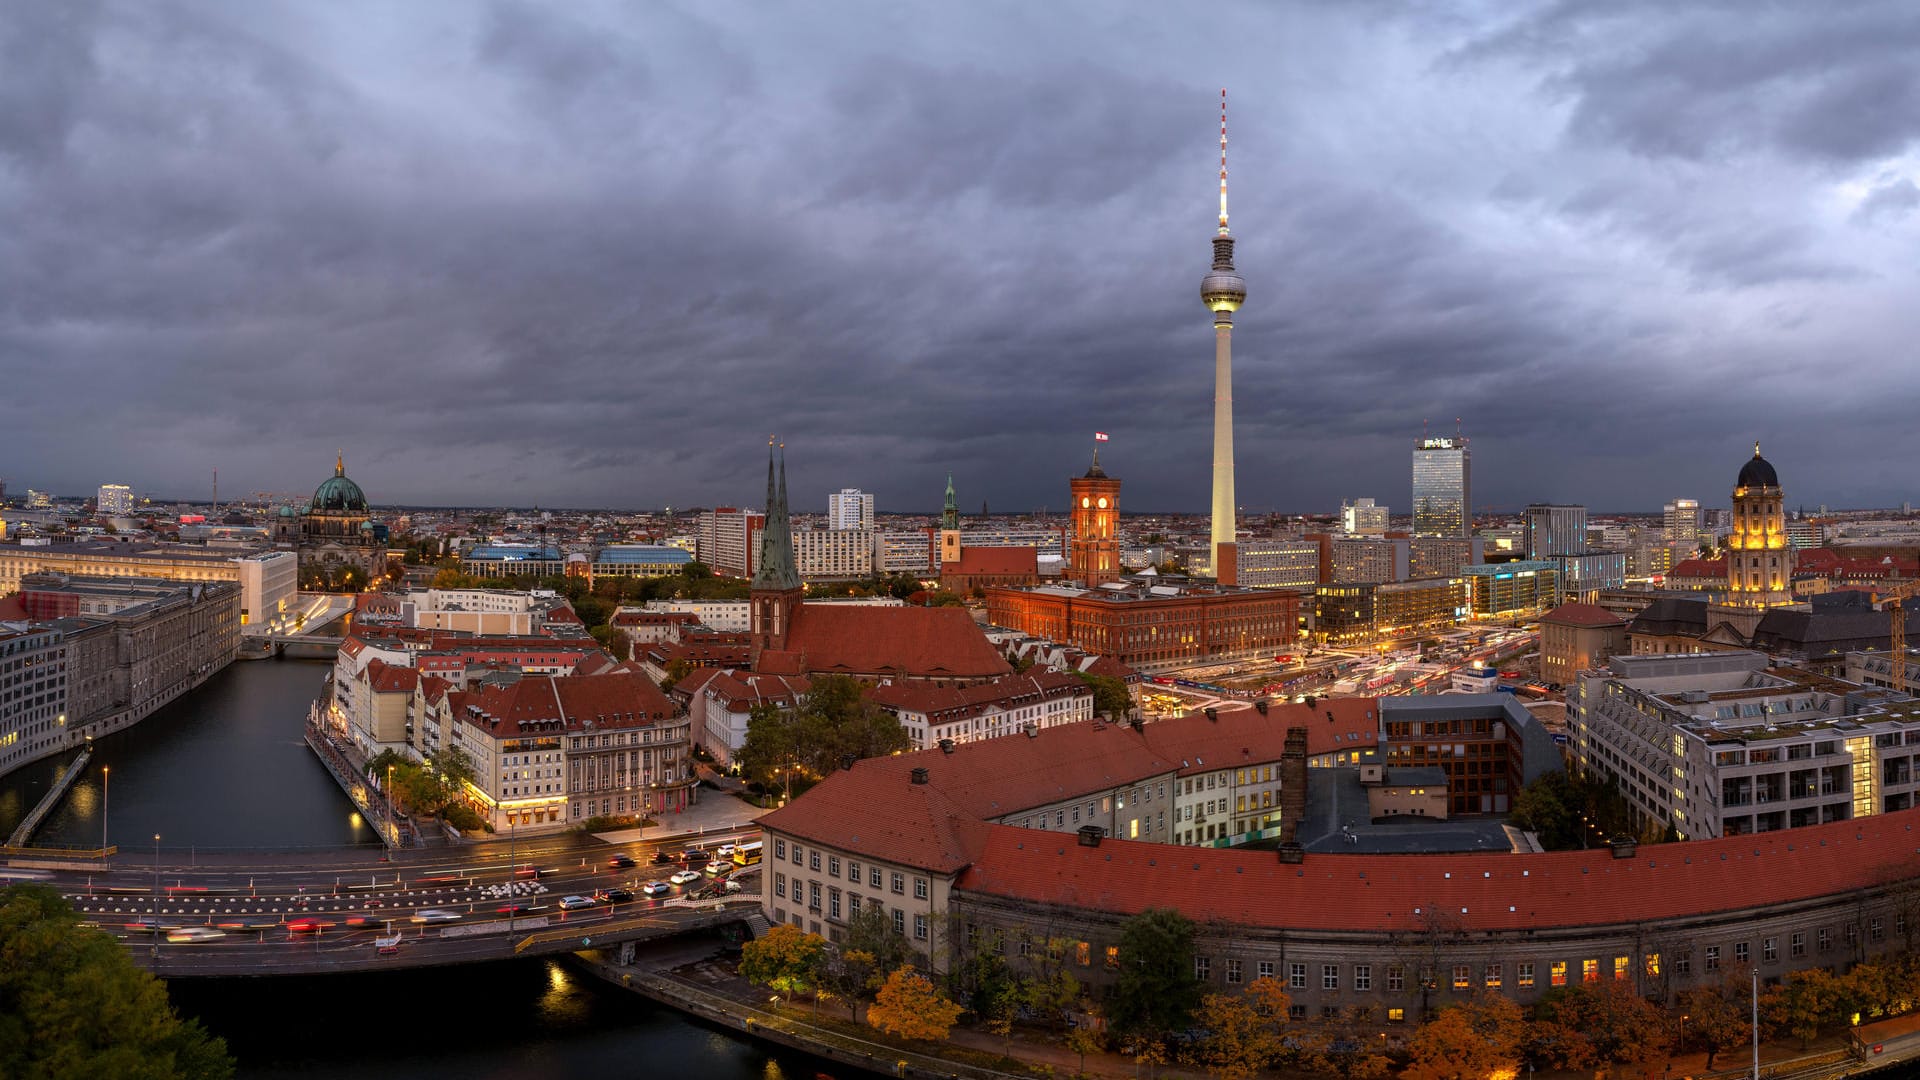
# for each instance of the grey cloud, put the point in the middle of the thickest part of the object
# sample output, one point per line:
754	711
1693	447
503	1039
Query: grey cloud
1893	198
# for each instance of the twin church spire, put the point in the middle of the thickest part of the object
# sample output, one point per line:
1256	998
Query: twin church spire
775	569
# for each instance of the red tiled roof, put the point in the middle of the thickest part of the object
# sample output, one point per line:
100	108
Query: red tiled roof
1703	568
11	609
740	691
539	702
995	560
1582	615
1012	691
1484	891
653	618
385	678
940	642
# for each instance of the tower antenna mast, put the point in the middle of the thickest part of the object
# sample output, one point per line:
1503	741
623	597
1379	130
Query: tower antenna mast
1223	161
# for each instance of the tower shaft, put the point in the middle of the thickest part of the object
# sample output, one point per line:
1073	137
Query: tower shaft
1223	500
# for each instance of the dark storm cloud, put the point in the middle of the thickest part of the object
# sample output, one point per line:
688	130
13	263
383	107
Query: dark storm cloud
593	254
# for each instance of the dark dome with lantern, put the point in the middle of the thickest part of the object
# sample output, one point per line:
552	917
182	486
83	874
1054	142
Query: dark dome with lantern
339	494
1757	473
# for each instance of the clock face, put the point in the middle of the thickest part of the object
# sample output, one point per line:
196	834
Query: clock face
1103	502
1085	502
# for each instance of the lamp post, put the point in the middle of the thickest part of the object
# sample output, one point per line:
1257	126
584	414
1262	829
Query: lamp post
1756	1024
513	867
106	774
155	929
393	829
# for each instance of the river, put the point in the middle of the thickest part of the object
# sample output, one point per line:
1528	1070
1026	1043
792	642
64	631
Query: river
225	768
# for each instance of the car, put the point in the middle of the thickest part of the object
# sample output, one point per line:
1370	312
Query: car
514	907
308	926
695	855
191	934
435	915
614	895
528	872
715	869
684	877
724	851
144	925
661	858
575	903
655	888
621	861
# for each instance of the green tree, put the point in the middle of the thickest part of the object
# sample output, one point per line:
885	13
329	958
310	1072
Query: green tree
847	975
74	1007
872	932
833	721
1110	696
1157	990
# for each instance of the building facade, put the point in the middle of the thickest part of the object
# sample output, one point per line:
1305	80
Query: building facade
934	716
849	508
114	500
1357	561
1442	487
1277	564
728	540
1759	562
1443	556
1576	638
1512	590
1362	517
1555	529
1095	557
1139	622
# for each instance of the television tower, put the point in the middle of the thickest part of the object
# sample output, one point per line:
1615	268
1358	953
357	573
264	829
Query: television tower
1223	290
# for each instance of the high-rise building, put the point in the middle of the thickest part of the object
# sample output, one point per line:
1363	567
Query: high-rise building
1362	518
849	508
1223	291
115	500
729	540
1682	521
1554	529
1442	487
1758	562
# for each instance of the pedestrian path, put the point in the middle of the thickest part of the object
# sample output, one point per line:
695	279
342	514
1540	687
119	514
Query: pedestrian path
715	812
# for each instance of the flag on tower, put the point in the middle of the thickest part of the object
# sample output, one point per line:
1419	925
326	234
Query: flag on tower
1099	436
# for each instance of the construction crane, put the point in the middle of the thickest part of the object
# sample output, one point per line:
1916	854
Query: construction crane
1897	658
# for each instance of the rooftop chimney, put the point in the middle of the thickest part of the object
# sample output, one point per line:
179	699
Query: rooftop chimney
919	776
1623	847
1261	705
946	746
1090	835
1213	714
1292	854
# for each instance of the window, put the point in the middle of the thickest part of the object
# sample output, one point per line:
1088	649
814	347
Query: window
833	866
1296	1012
1492	977
919	926
853	872
799	855
1203	968
873	876
899	882
779	849
1589	971
1823	939
1330	976
1363	976
1713	958
833	903
1462	976
853	904
1113	957
1874	930
1523	976
813	895
1083	954
1798	943
1557	973
919	888
1265	969
1683	962
1396	978
1741	952
1233	971
1621	968
899	921
1651	962
1769	950
1396	1016
780	885
1297	976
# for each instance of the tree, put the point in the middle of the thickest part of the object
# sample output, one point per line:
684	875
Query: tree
1157	990
786	959
1243	1030
73	1006
1086	1039
872	932
1712	1019
848	974
1469	1040
1814	999
908	1005
1618	1026
1110	696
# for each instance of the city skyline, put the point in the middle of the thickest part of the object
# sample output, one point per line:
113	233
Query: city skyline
513	257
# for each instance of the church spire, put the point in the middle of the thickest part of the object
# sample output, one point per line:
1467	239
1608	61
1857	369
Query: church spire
775	569
340	463
950	516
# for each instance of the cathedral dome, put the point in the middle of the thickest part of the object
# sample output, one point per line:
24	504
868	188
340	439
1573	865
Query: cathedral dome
1758	473
337	493
287	512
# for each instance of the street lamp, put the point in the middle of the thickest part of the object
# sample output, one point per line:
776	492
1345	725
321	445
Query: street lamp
393	829
155	928
106	774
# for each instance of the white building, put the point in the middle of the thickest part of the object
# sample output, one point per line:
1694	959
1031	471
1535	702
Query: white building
33	693
729	539
905	551
849	508
833	553
727	616
1278	564
1035	699
115	500
1362	517
269	582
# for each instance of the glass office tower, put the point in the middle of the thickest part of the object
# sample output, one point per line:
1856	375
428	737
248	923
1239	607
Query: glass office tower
1442	487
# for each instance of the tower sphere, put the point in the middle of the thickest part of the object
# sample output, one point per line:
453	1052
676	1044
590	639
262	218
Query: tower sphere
1223	290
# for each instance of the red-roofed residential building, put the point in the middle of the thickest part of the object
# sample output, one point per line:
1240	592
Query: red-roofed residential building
549	752
984	567
979	843
720	702
939	644
1576	638
1699	575
932	714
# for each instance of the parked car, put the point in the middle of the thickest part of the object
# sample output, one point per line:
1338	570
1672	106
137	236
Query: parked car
575	903
614	895
621	861
694	855
661	857
655	889
435	915
683	877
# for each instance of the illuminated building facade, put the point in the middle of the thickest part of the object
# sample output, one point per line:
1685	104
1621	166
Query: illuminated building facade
114	500
1278	564
1095	559
1759	565
1502	590
1362	612
1141	623
1442	487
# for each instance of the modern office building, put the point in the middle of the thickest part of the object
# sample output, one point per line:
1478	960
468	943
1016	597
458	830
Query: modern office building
269	581
1512	590
1362	517
172	562
1681	521
729	540
833	554
1586	575
1555	529
512	560
33	693
1444	556
638	560
1351	614
1442	487
849	508
114	500
1353	560
1278	564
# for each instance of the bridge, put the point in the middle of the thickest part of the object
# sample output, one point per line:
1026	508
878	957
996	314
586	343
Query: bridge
358	909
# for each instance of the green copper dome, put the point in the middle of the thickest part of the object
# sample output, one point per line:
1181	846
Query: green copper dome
338	493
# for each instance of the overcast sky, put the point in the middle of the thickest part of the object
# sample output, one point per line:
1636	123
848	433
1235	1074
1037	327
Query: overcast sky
584	254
